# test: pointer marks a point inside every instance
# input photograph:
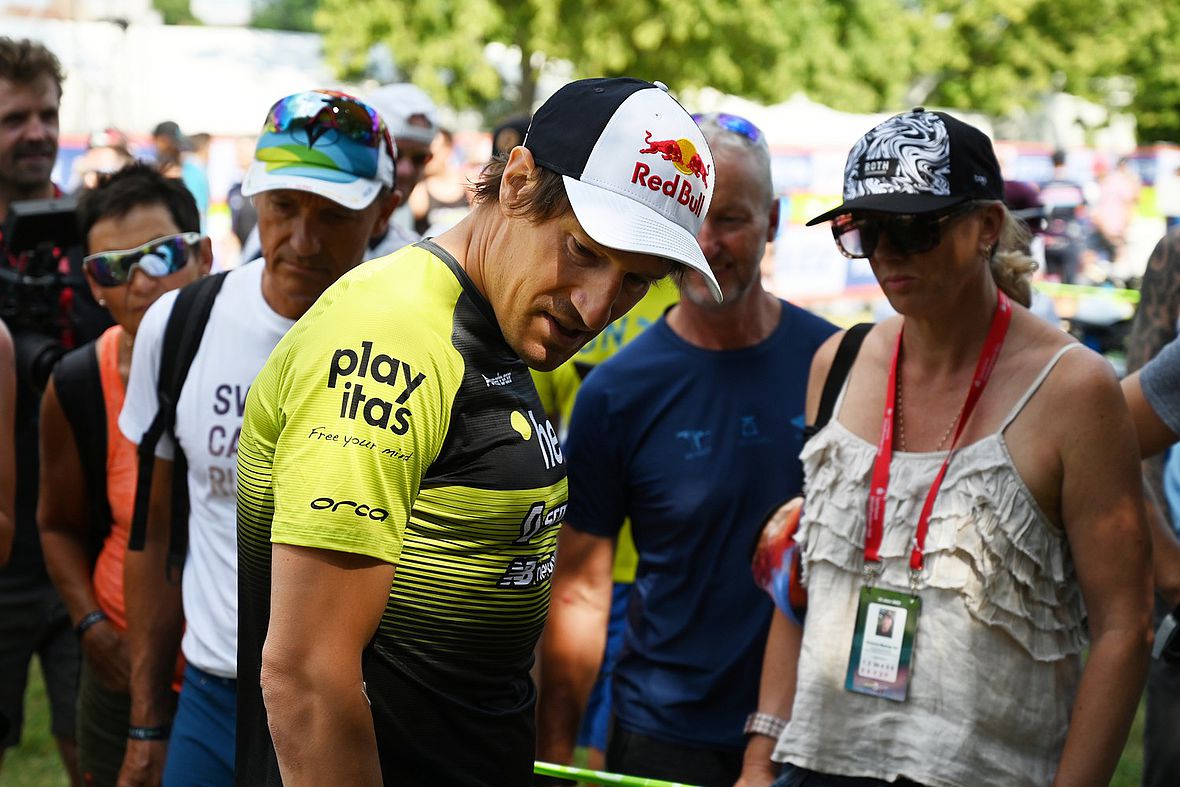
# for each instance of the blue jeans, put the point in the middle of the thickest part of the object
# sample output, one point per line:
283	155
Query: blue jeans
201	749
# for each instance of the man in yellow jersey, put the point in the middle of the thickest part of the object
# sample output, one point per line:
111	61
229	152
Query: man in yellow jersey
400	488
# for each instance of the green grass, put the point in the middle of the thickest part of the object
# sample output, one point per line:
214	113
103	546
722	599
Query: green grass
35	762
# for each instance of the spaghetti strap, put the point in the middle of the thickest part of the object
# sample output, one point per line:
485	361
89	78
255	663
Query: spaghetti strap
1032	389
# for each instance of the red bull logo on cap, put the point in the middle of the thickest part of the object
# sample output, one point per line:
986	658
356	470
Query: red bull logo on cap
682	153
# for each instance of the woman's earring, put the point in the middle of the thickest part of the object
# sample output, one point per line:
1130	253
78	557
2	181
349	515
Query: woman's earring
102	302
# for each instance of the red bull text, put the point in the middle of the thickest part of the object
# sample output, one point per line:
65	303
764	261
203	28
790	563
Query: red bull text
681	191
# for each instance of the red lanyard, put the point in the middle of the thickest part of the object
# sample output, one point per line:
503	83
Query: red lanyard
875	523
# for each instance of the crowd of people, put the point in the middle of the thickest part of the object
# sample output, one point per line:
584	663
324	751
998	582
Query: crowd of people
424	501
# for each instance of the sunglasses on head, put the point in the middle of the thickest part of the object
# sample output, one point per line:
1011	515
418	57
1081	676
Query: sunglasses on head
857	236
158	258
734	123
327	115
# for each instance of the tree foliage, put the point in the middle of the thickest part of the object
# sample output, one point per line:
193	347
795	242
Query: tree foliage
175	12
992	56
298	15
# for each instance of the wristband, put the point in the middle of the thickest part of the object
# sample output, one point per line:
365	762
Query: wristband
764	724
88	620
149	733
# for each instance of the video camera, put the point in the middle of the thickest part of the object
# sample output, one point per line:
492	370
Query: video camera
38	235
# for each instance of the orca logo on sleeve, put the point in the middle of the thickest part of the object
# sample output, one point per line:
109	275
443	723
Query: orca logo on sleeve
384	409
360	509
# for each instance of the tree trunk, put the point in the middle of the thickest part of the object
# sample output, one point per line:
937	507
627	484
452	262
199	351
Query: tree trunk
528	80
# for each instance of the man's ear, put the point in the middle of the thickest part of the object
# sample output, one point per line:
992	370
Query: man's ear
204	257
519	172
772	227
384	211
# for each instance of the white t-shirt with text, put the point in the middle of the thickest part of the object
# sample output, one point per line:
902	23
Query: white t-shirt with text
241	332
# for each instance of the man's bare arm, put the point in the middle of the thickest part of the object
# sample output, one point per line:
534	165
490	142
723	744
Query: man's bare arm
312	683
1153	434
574	640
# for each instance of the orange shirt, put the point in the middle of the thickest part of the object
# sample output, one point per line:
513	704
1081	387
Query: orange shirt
122	470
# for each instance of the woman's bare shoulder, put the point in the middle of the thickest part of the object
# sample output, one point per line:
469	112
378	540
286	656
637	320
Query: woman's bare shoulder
875	342
1081	377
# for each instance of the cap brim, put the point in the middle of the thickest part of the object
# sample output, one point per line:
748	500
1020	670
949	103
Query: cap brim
892	203
356	194
619	222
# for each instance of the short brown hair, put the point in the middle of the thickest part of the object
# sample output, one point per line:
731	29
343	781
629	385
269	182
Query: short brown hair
22	61
547	200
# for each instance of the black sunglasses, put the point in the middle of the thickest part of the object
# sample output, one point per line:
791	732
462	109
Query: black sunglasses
911	233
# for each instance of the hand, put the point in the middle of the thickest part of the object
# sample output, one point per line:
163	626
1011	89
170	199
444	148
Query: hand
143	764
106	650
755	776
757	768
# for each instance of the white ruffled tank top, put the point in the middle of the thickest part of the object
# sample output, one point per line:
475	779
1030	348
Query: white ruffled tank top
1002	627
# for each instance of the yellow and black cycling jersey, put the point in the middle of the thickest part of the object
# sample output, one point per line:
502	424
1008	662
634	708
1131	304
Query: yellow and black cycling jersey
394	421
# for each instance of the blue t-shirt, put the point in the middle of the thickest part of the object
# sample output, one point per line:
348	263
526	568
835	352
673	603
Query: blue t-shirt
695	446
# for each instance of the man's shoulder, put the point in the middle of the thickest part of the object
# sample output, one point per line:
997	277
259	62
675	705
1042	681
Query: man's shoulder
155	320
391	317
409	292
647	353
813	328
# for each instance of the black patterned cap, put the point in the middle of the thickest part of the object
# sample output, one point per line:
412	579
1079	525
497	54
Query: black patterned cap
918	162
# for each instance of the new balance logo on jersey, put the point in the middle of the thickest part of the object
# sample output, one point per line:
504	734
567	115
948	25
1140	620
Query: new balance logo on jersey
396	375
524	572
499	379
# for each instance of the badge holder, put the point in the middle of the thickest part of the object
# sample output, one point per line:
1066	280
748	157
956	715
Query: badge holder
881	661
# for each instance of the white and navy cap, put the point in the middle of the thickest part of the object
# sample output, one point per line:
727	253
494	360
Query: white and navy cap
918	162
637	170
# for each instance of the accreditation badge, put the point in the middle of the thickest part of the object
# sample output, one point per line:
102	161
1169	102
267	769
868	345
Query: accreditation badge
883	643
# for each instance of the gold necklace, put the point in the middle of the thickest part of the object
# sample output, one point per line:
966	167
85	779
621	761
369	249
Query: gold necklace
900	413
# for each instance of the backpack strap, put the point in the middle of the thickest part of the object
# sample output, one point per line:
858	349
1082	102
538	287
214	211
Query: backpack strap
78	382
182	339
838	372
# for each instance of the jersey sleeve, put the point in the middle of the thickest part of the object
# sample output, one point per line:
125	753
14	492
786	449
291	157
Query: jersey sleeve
595	466
1160	379
140	403
359	422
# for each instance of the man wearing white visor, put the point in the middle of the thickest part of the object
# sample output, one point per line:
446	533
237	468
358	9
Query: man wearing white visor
322	180
400	489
